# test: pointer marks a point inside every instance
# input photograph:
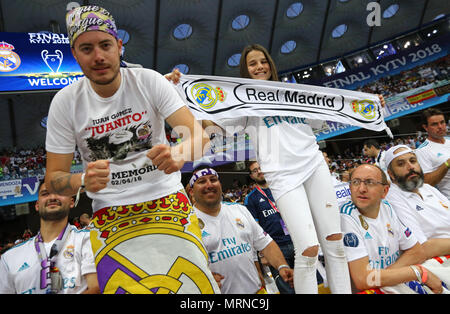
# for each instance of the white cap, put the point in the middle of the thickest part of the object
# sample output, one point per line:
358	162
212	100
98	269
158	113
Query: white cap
391	153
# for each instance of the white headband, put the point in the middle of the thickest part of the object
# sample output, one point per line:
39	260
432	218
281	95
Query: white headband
203	172
390	154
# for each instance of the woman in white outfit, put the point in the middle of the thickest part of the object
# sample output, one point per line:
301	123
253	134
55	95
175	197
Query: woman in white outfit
300	181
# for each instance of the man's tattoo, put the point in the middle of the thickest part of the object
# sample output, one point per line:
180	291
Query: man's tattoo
61	184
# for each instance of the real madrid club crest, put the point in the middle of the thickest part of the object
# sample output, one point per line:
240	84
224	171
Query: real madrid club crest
365	108
9	60
68	253
239	223
206	96
390	231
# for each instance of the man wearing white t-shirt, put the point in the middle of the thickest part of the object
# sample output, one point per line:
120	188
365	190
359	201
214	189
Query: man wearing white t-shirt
59	259
419	205
380	250
144	227
434	153
231	236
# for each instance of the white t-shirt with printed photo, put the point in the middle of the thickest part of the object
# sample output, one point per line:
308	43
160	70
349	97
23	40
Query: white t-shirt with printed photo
381	239
121	129
20	267
284	164
231	239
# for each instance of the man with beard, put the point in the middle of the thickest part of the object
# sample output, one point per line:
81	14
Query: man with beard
434	153
419	205
58	259
231	235
261	205
381	251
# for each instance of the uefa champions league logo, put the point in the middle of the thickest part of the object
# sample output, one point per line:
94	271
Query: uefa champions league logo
53	61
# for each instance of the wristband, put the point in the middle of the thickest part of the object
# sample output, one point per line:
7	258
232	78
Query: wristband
283	266
79	189
447	164
417	272
424	274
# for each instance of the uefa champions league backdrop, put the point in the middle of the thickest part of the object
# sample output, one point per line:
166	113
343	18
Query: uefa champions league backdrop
36	61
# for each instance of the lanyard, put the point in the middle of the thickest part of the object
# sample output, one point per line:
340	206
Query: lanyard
270	202
50	274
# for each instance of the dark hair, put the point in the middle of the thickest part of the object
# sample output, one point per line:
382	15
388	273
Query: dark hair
384	179
250	163
243	62
41	182
429	113
371	142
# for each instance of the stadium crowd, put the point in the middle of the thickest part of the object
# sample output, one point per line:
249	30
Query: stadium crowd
410	79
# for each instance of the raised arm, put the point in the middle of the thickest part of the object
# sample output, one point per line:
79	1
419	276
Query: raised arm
58	178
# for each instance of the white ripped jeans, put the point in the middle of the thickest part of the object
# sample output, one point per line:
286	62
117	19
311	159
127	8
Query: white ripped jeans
311	214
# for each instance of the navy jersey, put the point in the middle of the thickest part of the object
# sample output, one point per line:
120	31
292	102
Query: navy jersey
267	217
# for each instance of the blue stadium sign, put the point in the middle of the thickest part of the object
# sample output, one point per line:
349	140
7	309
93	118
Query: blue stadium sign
36	61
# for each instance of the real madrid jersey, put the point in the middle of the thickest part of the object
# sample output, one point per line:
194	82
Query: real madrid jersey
285	147
20	269
231	238
428	215
431	156
380	239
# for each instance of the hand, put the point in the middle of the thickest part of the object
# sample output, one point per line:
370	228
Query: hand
434	283
97	176
161	156
218	277
383	102
288	275
174	76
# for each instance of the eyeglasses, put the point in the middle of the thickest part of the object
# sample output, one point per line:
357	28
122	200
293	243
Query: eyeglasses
256	170
369	182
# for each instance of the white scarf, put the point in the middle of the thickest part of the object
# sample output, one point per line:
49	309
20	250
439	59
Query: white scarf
216	97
